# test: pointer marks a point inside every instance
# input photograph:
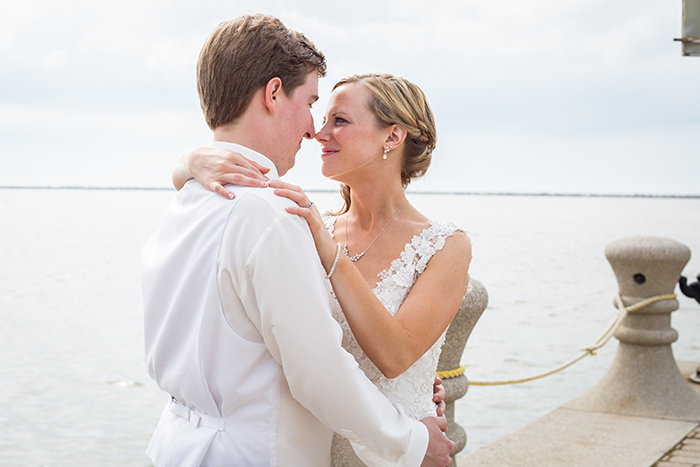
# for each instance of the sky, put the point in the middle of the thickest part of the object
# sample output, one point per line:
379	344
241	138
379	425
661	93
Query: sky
530	96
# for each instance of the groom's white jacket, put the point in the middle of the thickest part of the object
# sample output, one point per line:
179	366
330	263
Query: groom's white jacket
239	332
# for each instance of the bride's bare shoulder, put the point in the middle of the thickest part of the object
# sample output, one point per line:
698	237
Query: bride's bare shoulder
458	245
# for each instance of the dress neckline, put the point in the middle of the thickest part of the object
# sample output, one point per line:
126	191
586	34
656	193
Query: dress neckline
386	272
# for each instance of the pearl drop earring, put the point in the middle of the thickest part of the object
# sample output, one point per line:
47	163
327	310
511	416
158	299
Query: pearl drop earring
386	149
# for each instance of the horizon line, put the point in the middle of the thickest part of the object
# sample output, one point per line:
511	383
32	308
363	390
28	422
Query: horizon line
426	192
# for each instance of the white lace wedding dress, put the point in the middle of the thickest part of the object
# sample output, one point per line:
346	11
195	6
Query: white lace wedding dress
412	390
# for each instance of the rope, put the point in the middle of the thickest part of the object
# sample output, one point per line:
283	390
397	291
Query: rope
590	350
444	374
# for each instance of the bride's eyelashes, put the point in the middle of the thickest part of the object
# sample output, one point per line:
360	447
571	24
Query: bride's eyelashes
336	120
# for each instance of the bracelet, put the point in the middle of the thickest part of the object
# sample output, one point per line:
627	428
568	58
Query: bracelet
335	263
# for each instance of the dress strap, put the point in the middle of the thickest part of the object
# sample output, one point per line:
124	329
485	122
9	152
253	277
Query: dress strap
432	240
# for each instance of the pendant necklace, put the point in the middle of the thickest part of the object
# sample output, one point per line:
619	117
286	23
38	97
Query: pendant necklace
358	256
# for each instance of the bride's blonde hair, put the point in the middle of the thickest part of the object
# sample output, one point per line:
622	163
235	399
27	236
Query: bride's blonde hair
397	101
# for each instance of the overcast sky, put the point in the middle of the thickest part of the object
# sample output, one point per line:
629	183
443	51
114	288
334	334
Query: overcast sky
576	96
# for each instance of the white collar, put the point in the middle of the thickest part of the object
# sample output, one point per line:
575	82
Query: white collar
250	154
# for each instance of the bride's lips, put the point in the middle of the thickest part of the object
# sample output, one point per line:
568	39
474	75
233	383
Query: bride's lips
328	152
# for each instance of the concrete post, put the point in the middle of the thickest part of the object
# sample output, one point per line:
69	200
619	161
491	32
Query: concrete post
473	305
644	379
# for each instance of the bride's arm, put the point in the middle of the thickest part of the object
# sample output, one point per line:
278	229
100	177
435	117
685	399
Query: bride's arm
392	343
213	168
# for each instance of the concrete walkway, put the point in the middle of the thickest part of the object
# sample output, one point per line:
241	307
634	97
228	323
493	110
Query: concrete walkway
567	437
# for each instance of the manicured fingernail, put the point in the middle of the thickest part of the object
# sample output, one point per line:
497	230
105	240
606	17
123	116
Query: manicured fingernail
265	184
231	196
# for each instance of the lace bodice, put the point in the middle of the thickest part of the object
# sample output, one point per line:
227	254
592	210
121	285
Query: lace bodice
412	390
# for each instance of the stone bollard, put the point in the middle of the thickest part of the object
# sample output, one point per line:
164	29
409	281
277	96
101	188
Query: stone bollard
473	305
644	379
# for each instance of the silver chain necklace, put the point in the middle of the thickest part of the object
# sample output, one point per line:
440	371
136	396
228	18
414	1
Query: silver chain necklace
358	256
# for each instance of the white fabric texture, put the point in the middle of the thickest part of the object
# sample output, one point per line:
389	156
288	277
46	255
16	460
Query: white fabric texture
411	391
238	328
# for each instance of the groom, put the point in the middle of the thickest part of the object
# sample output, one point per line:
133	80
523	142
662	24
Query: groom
237	323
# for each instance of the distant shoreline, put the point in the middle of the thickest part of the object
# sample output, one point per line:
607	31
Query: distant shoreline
460	193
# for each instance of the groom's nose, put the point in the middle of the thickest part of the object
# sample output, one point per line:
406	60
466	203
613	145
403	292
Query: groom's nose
311	131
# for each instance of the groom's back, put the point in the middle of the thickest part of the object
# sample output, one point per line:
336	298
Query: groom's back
191	351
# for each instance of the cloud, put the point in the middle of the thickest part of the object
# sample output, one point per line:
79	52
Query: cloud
509	81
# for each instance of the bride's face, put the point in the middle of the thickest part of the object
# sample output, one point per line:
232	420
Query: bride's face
350	137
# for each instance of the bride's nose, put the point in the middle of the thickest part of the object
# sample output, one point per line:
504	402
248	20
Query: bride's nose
322	134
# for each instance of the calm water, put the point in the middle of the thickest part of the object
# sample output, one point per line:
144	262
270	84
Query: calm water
74	389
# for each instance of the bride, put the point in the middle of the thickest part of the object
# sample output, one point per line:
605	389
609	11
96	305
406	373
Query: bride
398	277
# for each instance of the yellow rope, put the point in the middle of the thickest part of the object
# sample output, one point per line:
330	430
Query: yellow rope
590	350
444	374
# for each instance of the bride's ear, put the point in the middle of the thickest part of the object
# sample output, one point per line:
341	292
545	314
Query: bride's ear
397	134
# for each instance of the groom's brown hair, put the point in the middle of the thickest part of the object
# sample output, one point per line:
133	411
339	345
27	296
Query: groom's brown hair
242	55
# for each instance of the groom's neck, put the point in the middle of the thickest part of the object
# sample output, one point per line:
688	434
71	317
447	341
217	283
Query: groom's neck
251	135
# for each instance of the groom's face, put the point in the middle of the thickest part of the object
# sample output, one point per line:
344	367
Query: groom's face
296	122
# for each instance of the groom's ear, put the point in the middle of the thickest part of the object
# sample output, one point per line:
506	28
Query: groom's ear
272	92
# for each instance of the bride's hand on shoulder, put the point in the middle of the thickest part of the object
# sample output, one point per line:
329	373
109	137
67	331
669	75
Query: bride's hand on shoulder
325	245
213	168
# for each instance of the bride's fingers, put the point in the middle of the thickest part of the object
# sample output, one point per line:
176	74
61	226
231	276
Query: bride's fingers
244	167
225	162
218	188
261	168
311	214
298	197
217	185
307	214
240	179
250	172
285	186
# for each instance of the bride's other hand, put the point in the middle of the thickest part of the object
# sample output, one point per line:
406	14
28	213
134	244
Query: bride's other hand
325	245
213	168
